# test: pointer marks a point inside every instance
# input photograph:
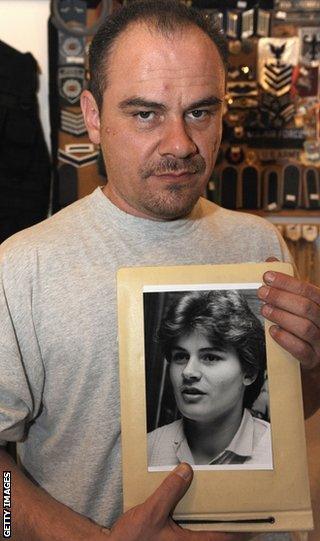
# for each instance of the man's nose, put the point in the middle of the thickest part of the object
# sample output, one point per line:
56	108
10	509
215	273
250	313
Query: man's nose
192	370
176	141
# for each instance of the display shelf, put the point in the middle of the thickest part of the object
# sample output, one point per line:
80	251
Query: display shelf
287	213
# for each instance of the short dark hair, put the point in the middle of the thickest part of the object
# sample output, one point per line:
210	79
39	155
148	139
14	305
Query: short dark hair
166	16
225	318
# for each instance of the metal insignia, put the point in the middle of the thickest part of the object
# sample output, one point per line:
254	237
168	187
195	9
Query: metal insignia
247	28
263	23
233	24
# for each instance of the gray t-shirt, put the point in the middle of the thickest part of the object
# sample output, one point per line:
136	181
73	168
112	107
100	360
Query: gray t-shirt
59	388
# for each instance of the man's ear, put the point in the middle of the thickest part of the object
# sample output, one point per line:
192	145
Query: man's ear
91	116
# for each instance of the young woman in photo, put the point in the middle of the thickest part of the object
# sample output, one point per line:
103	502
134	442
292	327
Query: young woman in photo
215	347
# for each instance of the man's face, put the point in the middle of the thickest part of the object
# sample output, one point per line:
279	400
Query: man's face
160	125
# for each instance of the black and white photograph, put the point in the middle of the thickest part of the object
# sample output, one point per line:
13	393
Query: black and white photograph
207	396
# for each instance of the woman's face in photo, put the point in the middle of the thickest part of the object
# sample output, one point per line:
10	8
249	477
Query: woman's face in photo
208	383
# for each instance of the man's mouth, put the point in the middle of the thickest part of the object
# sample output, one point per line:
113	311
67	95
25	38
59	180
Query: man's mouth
175	174
174	168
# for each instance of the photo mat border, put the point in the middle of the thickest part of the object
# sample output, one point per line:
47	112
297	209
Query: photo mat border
265	495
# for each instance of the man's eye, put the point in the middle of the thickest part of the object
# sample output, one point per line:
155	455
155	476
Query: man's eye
145	115
198	113
179	357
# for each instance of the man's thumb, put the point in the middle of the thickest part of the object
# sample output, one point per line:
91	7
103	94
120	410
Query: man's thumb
171	490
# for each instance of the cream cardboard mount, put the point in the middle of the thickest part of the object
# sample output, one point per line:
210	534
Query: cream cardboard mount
227	499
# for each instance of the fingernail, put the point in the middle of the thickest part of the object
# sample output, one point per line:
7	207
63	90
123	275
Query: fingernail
266	310
274	330
269	277
263	292
184	471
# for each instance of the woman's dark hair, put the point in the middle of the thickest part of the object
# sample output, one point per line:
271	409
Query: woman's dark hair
165	16
226	320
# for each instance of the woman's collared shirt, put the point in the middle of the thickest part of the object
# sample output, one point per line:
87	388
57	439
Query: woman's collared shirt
168	446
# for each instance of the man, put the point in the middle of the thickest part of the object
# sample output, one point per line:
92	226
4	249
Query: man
155	108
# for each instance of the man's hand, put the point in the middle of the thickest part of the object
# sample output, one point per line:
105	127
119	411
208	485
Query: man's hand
49	520
294	307
152	521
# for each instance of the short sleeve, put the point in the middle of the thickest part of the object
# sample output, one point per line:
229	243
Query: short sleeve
21	371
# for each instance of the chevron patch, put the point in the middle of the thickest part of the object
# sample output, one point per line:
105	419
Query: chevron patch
72	123
277	58
277	110
277	79
78	155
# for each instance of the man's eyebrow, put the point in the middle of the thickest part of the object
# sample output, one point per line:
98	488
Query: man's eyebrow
141	102
206	102
209	101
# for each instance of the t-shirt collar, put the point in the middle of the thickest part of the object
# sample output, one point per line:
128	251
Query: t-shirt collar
109	212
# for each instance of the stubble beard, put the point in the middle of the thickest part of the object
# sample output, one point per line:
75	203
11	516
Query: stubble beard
174	200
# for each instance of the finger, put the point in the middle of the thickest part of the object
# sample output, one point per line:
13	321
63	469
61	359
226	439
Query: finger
295	304
298	348
299	326
162	502
292	285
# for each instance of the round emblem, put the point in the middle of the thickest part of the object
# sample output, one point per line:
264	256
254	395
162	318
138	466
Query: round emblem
72	47
72	88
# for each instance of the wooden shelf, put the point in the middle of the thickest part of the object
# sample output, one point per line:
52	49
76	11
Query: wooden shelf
294	213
